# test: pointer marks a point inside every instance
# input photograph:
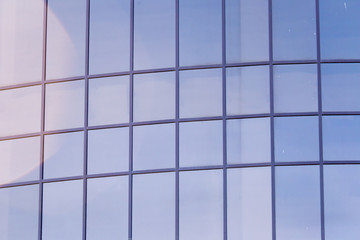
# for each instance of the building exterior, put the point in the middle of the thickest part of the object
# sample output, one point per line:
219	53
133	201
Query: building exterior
179	119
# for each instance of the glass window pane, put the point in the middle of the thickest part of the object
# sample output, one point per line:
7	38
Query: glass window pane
62	210
109	36
341	137
109	100
249	204
294	29
296	139
20	111
19	209
64	105
65	55
21	39
201	205
247	31
201	143
340	87
200	93
295	88
154	96
248	140
247	90
63	155
154	146
154	34
200	32
298	203
108	150
154	206
107	208
341	190
20	160
339	29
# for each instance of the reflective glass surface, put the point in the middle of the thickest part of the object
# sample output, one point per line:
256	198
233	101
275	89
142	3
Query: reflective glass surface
107	208
108	150
297	203
109	36
21	35
154	206
247	30
247	90
295	88
154	96
249	203
201	205
196	100
109	100
248	140
200	32
154	34
154	146
66	27
201	143
294	29
64	105
20	110
296	139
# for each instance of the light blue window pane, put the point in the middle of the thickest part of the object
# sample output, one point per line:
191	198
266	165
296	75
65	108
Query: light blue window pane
249	204
20	110
20	160
154	96
66	28
21	40
154	206
247	30
107	208
294	29
200	93
19	210
340	87
296	139
341	137
201	205
247	90
298	203
200	32
62	210
342	199
109	36
109	100
248	140
154	34
339	29
154	146
201	143
64	105
64	155
108	150
295	88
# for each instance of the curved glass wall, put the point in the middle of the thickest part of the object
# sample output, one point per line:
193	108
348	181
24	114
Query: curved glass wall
179	119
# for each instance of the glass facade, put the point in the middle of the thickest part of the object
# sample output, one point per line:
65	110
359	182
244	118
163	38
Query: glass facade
179	119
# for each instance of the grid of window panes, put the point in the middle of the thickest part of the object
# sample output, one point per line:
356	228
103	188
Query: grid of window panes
179	119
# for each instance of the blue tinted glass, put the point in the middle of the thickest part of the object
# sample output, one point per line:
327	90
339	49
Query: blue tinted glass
294	29
340	87
339	29
154	36
341	137
297	203
296	139
200	32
